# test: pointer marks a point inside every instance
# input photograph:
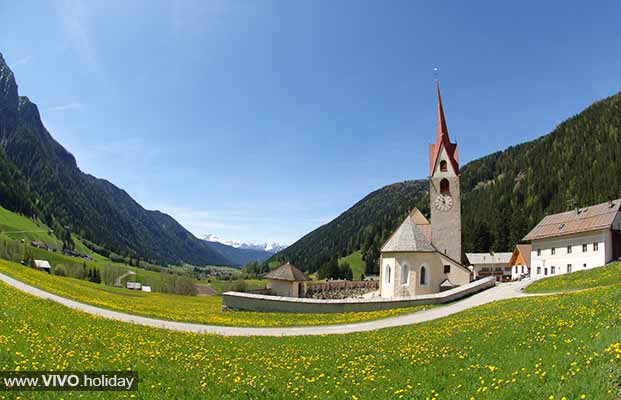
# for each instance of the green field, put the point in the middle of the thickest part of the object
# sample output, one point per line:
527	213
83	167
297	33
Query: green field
356	263
551	347
603	276
197	309
17	227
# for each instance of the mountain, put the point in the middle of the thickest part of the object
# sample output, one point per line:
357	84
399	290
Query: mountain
239	256
272	248
240	253
504	194
40	176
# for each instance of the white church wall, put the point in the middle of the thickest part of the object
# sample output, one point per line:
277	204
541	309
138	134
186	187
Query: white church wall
413	263
387	288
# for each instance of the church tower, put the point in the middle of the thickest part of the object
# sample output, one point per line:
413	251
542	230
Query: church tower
444	190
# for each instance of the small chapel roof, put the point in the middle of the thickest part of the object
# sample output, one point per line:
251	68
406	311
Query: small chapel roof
287	272
410	235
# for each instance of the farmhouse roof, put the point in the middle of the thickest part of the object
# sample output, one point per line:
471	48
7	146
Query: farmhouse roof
599	216
287	272
523	251
411	235
488	258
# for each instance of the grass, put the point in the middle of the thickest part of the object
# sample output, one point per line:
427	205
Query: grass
80	247
207	310
585	279
221	286
18	227
549	347
356	263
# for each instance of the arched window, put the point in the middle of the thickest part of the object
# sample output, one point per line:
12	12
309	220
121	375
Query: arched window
387	273
424	279
443	166
405	275
444	186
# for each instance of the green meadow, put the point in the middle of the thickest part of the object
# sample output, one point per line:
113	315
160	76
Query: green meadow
547	347
199	309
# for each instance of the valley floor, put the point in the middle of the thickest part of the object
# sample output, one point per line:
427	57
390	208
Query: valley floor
500	292
170	307
541	347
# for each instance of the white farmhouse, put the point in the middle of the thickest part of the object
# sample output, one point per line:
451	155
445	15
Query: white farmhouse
575	240
490	264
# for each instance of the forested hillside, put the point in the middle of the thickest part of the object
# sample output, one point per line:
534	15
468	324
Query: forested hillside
363	227
40	176
504	194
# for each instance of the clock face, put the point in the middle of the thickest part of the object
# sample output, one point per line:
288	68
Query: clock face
443	202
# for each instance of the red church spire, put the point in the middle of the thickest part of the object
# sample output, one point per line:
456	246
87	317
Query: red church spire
442	140
442	132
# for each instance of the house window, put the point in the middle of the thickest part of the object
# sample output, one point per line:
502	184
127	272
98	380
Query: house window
447	269
424	279
584	248
538	270
538	252
583	265
553	251
552	270
522	269
568	268
484	269
545	271
443	166
568	249
595	246
405	275
444	186
387	272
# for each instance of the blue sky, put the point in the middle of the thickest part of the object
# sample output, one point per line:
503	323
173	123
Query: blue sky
259	121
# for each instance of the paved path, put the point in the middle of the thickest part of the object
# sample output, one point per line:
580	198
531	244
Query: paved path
499	292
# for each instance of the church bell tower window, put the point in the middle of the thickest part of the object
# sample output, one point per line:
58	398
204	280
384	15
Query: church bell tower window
443	166
444	186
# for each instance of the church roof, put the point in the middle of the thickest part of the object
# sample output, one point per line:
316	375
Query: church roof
287	272
442	140
599	216
410	235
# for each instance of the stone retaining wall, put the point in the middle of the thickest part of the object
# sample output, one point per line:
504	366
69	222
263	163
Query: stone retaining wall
255	302
339	285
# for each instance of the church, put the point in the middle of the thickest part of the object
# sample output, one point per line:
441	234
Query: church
423	257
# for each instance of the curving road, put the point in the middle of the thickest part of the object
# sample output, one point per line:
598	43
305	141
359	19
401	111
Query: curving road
499	292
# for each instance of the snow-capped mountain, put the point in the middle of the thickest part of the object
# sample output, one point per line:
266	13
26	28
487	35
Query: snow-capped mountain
269	247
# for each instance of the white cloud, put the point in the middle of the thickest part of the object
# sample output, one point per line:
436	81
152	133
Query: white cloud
65	107
21	61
